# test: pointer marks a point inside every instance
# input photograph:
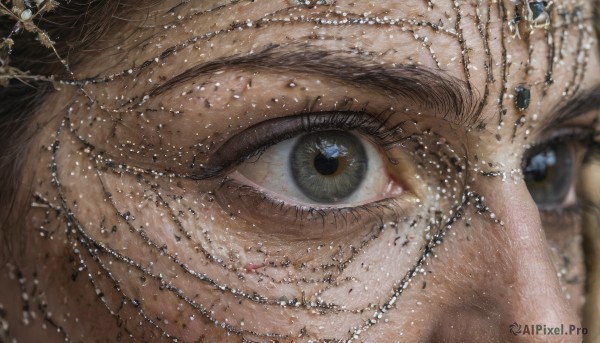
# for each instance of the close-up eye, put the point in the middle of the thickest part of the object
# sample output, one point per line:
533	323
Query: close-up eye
299	171
331	168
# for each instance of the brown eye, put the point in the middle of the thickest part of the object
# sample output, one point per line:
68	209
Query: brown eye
548	173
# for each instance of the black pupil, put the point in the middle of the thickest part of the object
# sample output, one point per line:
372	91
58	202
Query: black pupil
326	164
539	174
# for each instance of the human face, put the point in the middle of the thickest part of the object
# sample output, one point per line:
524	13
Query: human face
182	184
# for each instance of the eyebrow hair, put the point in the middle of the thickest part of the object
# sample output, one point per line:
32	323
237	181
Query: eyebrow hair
580	104
432	89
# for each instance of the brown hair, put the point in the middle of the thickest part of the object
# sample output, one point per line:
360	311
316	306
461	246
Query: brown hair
76	26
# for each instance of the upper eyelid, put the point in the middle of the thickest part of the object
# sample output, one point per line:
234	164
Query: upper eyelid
448	97
567	132
444	96
263	135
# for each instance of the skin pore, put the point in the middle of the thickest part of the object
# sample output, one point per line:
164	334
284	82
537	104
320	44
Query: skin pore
159	207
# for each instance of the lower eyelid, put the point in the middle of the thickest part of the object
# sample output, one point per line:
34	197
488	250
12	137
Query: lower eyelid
305	222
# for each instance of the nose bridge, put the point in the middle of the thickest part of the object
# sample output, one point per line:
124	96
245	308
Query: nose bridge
535	296
511	278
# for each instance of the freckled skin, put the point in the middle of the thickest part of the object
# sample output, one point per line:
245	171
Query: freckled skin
126	242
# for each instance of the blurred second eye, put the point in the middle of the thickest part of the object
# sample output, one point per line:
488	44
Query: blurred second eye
549	172
332	168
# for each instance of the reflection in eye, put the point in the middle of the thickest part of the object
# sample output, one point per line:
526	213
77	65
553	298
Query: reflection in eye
331	167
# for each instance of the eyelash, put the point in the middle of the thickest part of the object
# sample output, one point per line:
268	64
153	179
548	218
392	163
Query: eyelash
372	126
380	210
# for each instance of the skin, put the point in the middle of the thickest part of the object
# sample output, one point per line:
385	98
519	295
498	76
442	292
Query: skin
114	178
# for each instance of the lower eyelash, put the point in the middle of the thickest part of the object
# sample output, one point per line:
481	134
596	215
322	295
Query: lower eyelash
386	210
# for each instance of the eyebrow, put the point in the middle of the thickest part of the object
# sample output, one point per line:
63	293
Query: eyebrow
431	89
580	104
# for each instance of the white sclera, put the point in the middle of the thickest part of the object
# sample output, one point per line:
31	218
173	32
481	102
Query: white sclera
270	173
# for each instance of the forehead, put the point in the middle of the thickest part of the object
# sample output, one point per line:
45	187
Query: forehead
502	50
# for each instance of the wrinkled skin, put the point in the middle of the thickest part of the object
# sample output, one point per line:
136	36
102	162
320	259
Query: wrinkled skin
131	236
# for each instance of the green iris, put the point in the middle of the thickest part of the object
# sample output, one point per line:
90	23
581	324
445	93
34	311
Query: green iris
328	166
548	175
